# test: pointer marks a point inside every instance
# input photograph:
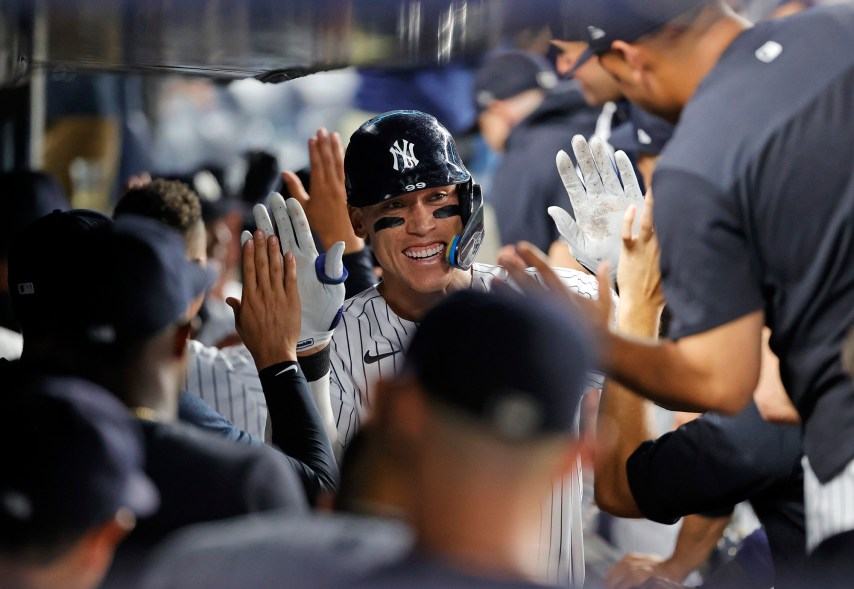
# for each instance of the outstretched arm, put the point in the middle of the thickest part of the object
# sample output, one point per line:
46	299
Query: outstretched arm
697	538
268	320
625	419
716	370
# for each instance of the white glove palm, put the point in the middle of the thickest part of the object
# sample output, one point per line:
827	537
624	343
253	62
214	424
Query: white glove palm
599	203
320	278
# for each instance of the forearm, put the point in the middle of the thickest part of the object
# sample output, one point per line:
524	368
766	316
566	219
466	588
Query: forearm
666	373
625	421
697	538
315	367
297	427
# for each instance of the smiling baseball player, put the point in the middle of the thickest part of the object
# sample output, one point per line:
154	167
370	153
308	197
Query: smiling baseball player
412	199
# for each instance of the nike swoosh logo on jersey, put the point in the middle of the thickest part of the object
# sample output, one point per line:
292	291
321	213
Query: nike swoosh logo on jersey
284	370
369	359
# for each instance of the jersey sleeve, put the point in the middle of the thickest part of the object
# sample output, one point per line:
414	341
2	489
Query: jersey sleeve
710	464
708	274
298	428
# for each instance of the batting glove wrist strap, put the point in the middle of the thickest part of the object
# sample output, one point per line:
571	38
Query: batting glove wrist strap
319	265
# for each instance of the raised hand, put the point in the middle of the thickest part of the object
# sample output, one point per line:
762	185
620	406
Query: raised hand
267	317
639	273
598	202
326	206
320	278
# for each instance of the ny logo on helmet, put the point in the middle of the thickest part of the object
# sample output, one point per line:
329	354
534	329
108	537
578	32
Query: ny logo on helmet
403	157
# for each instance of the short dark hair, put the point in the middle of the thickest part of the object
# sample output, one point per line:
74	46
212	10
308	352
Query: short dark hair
171	202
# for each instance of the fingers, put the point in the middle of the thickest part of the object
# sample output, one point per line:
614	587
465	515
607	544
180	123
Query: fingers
274	257
283	222
334	264
629	178
249	281
571	181
535	258
315	157
647	220
566	226
295	187
516	267
291	276
592	180
298	224
262	219
324	155
338	157
235	306
262	266
628	223
606	167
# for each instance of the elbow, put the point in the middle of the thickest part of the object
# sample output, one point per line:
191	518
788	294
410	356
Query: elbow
619	503
729	396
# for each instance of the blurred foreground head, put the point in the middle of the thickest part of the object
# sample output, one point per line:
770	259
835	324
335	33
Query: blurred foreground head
72	495
482	421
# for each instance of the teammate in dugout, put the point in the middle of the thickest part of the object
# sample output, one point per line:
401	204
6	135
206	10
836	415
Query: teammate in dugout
748	237
412	199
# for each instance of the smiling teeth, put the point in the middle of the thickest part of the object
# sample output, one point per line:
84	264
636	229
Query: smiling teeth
420	254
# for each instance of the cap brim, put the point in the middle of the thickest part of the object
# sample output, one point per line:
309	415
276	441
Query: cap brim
582	59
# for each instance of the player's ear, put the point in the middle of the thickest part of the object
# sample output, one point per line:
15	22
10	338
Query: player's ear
626	61
357	220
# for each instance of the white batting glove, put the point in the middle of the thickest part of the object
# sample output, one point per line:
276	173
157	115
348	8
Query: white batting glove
320	278
599	202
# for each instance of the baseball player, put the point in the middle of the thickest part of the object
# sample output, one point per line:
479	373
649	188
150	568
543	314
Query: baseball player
412	199
755	219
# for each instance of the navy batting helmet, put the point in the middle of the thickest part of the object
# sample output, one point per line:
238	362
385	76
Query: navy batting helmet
403	151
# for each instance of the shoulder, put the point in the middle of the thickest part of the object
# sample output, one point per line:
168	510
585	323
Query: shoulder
355	305
233	358
773	72
313	551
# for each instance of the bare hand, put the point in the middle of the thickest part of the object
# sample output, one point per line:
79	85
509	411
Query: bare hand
636	569
268	316
639	273
326	206
597	312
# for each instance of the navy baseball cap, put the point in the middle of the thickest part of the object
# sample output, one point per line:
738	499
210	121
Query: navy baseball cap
515	363
508	73
42	261
643	132
24	197
73	456
601	22
134	280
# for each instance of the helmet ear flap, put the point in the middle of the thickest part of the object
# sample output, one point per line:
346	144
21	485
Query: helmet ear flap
462	249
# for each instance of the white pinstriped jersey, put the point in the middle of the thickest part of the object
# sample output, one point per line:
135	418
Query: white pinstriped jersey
368	344
227	380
